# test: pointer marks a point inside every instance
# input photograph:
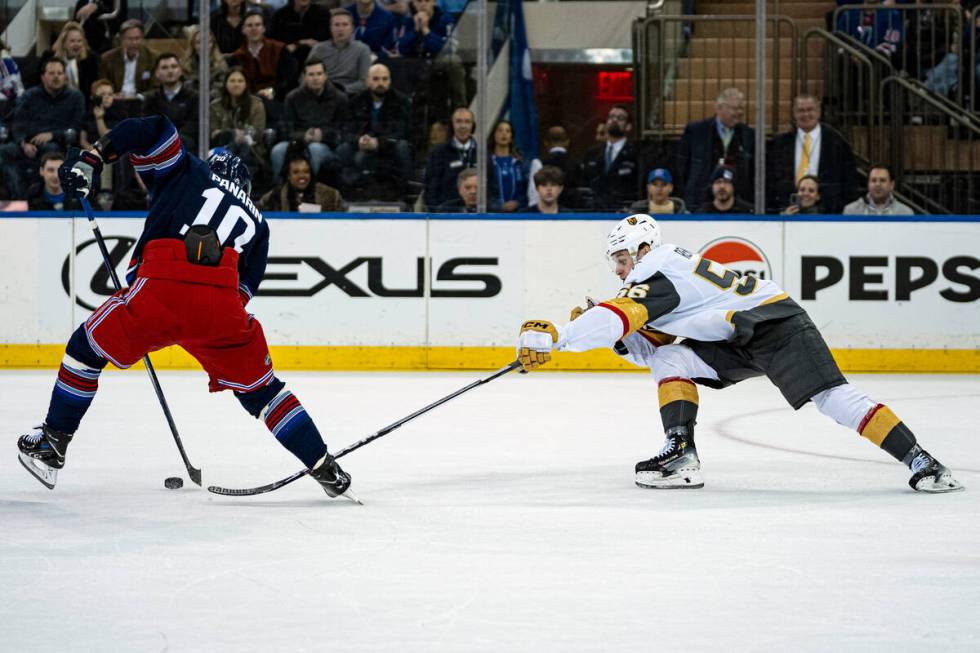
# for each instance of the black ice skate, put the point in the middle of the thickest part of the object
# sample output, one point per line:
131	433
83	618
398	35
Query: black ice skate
334	481
42	453
929	475
676	466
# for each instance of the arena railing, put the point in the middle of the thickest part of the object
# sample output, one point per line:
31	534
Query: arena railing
925	34
850	88
676	80
932	147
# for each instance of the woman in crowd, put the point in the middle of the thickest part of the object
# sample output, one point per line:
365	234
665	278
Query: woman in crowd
507	183
297	192
807	197
238	121
191	63
81	65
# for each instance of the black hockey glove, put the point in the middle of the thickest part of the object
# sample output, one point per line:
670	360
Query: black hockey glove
78	171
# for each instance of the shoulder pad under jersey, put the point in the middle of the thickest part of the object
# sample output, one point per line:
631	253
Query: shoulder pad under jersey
650	264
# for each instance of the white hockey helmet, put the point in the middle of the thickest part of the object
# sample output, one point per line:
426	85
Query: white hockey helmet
632	233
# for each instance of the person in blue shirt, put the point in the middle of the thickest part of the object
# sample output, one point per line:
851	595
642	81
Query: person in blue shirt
375	27
507	183
47	194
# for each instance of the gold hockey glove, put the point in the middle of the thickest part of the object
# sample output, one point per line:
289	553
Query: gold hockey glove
535	342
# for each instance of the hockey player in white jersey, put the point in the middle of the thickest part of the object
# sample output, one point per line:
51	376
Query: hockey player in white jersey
734	328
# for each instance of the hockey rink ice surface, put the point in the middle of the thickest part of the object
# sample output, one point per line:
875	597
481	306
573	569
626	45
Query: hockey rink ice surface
506	520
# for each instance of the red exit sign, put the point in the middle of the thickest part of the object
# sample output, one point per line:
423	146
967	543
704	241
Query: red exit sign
614	86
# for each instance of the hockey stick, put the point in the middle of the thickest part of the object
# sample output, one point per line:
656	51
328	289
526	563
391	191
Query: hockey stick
371	438
195	474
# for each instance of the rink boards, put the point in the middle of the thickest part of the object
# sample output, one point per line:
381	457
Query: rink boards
402	291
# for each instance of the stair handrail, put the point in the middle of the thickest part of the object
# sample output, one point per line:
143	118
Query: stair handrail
856	54
958	118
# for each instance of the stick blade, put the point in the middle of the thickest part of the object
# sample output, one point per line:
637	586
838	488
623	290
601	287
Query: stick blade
195	475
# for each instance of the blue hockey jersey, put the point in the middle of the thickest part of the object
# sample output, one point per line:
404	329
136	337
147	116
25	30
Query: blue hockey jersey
184	192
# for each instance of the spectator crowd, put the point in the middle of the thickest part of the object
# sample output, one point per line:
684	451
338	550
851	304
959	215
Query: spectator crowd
321	104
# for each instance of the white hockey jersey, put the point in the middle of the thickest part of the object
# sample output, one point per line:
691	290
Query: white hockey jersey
676	292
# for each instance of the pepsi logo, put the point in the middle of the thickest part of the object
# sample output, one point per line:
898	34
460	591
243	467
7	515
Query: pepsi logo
739	255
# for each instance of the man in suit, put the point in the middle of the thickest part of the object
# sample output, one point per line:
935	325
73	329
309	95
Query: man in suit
130	66
811	149
720	140
448	160
612	170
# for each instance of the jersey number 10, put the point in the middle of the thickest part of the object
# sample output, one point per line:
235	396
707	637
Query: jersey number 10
212	201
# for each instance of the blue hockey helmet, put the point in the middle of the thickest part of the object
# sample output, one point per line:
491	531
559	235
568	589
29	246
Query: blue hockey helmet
228	166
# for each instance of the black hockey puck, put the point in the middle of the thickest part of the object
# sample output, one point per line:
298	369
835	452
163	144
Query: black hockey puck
174	483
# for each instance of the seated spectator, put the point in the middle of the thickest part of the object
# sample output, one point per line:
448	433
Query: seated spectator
466	190
99	33
549	182
301	24
375	27
11	83
46	195
507	186
130	66
315	115
174	100
270	71
191	62
660	184
600	134
806	200
103	115
723	199
611	170
812	148
381	123
556	146
705	143
423	33
47	118
81	66
420	37
297	193
448	160
882	29
880	199
438	135
346	60
226	24
238	122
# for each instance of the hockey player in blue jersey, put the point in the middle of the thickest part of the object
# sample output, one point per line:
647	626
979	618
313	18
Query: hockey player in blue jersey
198	262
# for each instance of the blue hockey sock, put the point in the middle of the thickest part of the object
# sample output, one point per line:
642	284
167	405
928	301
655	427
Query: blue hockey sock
78	381
293	427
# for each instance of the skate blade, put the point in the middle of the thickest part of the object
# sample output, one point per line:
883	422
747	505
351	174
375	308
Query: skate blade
685	479
941	485
350	497
47	476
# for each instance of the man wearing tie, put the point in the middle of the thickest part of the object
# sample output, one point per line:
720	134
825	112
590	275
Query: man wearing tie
706	144
811	149
611	169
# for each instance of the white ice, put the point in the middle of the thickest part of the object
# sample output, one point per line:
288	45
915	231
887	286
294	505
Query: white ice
506	520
